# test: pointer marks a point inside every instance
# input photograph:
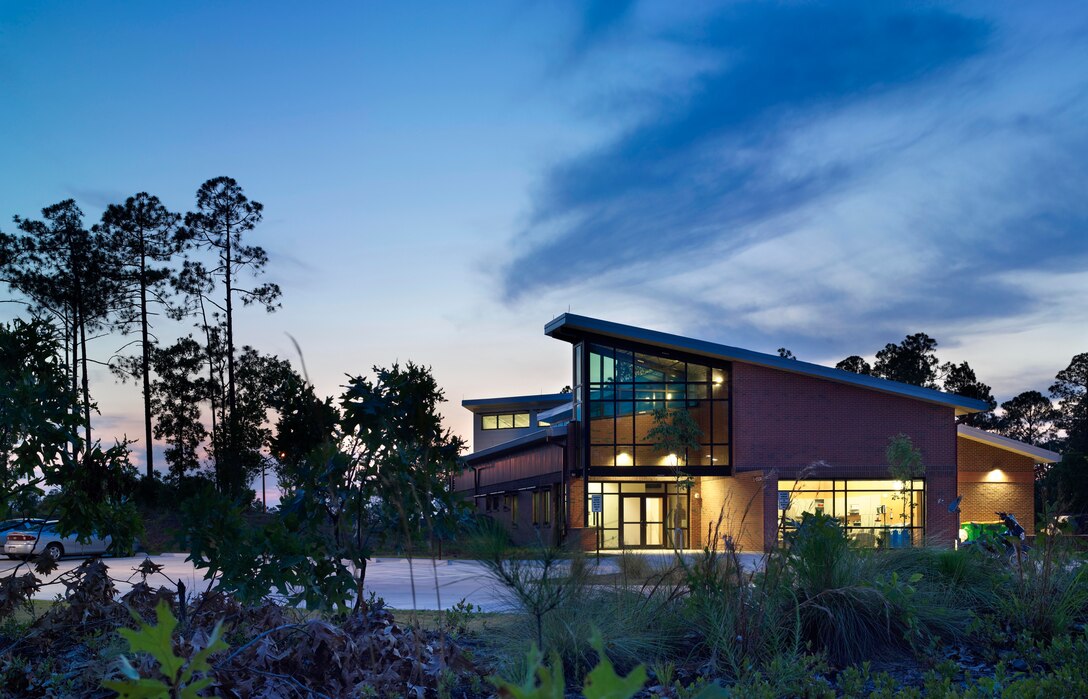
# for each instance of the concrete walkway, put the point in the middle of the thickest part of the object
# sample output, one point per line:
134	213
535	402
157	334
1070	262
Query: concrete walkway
402	583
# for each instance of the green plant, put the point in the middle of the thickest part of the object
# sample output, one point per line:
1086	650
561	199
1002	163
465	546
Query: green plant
538	585
456	620
543	682
179	675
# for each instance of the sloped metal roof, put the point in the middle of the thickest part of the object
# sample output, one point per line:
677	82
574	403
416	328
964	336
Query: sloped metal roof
545	400
1041	456
570	327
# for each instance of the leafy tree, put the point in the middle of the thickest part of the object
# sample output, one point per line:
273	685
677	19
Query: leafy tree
176	395
1067	480
855	364
222	217
383	471
676	433
143	238
913	361
785	353
1070	390
305	424
37	424
904	465
36	417
1029	417
64	270
260	378
960	379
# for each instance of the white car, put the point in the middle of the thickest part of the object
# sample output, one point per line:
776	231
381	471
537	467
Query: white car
42	537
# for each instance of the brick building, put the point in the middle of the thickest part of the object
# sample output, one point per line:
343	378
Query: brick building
777	437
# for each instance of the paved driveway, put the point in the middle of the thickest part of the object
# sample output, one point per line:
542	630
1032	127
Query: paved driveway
402	583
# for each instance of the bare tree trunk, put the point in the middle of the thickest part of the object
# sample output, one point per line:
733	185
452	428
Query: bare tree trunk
216	452
86	381
146	359
232	398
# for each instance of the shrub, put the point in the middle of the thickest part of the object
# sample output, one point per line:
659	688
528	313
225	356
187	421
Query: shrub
1048	590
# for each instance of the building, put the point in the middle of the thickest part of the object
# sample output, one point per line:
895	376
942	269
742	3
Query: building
775	433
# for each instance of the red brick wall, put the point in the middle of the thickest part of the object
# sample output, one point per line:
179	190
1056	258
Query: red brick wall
786	422
738	503
992	480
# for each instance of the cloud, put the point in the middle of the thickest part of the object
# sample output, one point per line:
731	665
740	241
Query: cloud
843	175
706	170
599	19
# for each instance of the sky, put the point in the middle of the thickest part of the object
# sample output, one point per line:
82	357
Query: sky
442	179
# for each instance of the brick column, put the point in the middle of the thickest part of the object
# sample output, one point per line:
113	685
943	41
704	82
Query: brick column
771	512
942	526
578	535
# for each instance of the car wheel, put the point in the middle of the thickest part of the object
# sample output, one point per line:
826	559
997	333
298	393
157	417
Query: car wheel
54	551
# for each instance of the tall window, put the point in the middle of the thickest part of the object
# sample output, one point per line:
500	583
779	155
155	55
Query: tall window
624	390
542	505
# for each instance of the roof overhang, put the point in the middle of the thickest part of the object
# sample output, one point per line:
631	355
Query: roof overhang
563	412
571	328
546	400
1040	455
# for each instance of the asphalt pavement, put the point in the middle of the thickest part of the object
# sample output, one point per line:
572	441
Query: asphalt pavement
402	583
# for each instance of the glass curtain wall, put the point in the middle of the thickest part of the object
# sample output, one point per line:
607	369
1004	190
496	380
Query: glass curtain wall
874	513
624	390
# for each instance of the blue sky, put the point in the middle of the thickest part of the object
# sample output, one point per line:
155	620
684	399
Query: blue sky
442	179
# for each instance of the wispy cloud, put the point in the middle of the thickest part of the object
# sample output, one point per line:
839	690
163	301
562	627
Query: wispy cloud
844	170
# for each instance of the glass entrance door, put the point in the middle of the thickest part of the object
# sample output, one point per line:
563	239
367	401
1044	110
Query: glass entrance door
643	521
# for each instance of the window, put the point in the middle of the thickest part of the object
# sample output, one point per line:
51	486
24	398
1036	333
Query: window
626	387
512	505
504	421
888	514
542	507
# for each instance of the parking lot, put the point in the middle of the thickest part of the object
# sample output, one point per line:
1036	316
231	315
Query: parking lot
402	583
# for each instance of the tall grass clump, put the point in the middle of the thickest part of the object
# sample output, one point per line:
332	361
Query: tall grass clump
955	585
744	622
818	594
845	610
1046	591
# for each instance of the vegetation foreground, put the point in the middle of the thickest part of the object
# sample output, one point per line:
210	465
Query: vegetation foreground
822	619
370	471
